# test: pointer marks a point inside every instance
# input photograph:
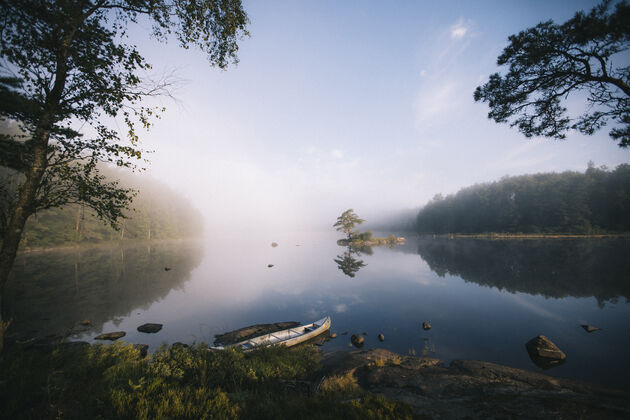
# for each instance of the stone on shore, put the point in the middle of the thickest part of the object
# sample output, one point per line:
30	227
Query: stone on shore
150	328
111	336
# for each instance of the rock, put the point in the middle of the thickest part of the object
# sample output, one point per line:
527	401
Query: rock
544	353
474	390
333	335
273	244
150	328
590	328
381	337
178	344
144	349
111	336
167	269
357	340
85	322
269	265
426	326
364	333
344	333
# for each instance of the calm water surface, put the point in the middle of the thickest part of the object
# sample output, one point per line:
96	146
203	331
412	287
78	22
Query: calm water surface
484	298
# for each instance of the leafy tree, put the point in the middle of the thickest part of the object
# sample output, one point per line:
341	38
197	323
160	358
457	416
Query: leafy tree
549	62
346	223
65	66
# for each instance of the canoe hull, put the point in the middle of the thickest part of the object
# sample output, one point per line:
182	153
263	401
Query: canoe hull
289	337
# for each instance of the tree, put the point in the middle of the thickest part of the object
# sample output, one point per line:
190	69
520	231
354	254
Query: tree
549	62
346	223
64	66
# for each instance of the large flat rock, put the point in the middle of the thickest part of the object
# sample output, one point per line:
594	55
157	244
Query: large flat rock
474	389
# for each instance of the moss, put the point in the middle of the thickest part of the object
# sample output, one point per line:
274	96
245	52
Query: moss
114	381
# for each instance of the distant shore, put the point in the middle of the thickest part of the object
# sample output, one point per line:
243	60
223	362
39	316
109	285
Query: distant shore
96	245
526	235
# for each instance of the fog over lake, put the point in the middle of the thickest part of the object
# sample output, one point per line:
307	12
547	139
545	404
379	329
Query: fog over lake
483	298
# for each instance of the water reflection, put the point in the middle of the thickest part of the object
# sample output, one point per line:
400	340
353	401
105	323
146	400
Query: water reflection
552	268
348	263
50	292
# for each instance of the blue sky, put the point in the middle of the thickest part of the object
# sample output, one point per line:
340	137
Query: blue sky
350	104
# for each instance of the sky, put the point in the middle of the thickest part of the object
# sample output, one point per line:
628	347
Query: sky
349	104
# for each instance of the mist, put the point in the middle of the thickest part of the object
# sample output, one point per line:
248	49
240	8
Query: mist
310	123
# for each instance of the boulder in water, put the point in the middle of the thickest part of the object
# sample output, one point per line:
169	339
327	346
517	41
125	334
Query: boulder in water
544	353
111	336
150	328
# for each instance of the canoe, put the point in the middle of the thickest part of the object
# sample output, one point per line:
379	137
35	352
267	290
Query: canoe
289	337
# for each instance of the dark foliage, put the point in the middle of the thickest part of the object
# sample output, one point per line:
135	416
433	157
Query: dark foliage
549	62
597	201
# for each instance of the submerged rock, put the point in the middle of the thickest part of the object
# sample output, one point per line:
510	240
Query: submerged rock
590	328
150	328
544	353
111	336
273	244
357	340
167	268
426	326
269	265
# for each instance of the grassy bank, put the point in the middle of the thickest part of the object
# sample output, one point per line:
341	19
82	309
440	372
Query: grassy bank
115	381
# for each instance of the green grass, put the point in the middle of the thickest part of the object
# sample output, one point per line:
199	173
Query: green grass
113	381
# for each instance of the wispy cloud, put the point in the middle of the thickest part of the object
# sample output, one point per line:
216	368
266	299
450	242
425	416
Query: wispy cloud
336	153
460	29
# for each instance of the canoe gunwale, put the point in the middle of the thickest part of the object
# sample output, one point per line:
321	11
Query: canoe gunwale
294	336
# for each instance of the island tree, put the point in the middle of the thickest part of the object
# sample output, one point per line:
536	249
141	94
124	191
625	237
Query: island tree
347	222
65	70
585	57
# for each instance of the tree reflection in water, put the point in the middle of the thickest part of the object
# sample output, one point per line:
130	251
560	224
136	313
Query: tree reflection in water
55	290
348	263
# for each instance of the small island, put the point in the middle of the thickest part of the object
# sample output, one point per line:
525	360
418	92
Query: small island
348	221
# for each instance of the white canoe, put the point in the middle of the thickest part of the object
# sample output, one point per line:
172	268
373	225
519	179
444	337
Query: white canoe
289	337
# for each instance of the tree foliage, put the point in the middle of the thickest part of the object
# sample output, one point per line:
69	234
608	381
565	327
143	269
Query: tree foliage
347	222
550	62
65	72
596	201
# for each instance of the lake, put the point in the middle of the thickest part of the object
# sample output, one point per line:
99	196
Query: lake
484	298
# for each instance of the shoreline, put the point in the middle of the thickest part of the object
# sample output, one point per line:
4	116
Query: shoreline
97	245
424	386
523	235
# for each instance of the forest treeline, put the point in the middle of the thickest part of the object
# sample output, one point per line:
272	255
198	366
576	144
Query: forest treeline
596	201
157	212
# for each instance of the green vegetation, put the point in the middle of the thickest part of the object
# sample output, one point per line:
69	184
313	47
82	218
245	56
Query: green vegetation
68	82
347	222
597	201
113	381
585	56
158	213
